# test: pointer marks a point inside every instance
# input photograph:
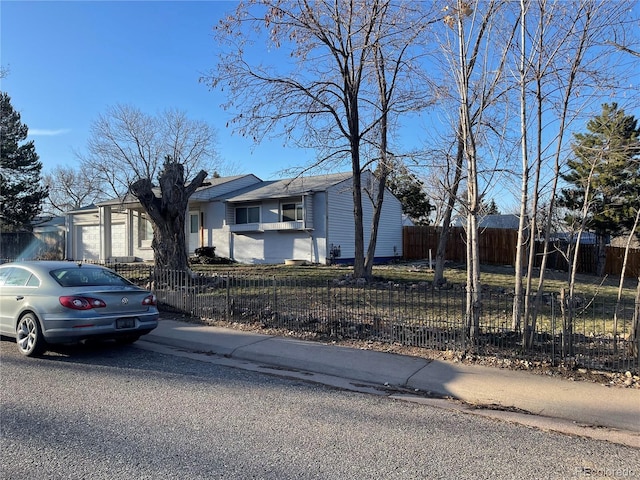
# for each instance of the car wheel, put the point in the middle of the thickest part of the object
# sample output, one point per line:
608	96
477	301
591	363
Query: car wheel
29	336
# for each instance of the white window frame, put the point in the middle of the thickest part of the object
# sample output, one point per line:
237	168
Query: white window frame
193	215
247	208
145	231
298	209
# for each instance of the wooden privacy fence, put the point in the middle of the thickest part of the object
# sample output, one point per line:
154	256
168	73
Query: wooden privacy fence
498	247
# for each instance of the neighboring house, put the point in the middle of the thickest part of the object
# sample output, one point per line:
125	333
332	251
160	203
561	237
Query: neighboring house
508	221
248	220
586	238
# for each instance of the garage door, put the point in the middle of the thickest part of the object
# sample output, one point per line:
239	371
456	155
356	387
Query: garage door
87	242
118	240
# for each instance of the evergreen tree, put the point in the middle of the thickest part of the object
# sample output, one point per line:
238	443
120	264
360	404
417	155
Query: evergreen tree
21	192
490	209
604	175
407	188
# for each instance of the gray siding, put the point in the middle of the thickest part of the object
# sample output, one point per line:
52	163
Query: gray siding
308	202
273	247
341	220
320	226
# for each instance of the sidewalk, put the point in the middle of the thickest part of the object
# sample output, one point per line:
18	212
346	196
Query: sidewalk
575	407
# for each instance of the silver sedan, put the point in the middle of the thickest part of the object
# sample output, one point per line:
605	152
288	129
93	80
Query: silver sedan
43	302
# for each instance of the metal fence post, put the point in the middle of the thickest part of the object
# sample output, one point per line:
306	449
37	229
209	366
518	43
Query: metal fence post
227	309
275	294
328	316
553	331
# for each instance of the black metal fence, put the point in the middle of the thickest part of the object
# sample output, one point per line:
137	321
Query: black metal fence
416	315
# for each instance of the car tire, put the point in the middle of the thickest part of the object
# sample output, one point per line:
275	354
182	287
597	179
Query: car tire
29	336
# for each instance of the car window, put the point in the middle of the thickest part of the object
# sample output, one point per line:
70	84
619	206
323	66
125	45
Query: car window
84	277
4	274
33	281
17	277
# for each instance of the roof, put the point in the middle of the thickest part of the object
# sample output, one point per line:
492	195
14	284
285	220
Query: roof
87	208
207	184
586	238
289	187
506	222
48	222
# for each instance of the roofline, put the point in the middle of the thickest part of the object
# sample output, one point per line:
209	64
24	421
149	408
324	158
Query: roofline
128	200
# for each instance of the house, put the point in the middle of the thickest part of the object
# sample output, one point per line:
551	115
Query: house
119	230
508	221
246	219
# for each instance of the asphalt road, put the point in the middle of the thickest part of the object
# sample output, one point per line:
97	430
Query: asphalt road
112	412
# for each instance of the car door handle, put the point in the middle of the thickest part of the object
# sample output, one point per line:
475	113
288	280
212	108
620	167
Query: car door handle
19	297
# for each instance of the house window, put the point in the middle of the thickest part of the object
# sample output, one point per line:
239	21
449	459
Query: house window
145	231
247	215
194	223
291	212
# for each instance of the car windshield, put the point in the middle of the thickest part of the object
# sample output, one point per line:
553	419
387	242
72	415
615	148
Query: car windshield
83	277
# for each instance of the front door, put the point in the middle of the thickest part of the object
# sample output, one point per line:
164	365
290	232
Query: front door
194	231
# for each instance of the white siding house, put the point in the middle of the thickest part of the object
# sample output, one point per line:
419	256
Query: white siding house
306	218
249	221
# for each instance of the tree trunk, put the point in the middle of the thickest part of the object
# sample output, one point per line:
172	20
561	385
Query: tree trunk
566	307
473	197
358	260
634	339
438	278
524	185
167	214
601	254
636	222
377	195
379	187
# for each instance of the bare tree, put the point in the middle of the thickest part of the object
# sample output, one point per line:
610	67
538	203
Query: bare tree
129	151
126	145
350	75
167	212
440	183
473	53
70	189
478	73
451	195
524	189
563	65
635	231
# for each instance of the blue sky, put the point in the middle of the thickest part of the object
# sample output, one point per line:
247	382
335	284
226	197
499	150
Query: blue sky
69	61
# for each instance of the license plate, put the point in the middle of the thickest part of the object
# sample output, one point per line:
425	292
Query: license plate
125	322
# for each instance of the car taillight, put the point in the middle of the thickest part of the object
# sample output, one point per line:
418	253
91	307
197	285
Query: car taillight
149	300
81	303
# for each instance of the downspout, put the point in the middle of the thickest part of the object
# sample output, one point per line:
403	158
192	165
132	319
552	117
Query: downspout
68	243
304	226
326	226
